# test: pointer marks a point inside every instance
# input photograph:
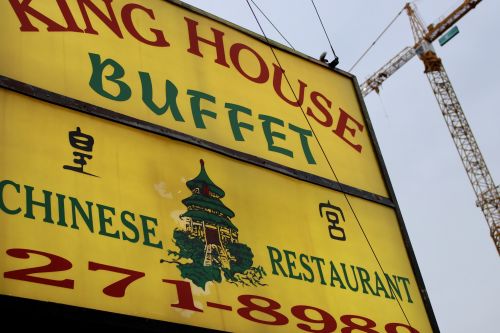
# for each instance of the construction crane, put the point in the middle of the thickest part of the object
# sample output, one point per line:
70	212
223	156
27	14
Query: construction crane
488	198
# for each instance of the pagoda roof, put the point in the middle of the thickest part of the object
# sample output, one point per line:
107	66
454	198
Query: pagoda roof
203	179
211	219
209	203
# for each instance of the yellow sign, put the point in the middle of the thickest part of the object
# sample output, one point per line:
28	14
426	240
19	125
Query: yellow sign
100	215
162	63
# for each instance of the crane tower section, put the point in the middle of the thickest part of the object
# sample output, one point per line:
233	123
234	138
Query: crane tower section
488	197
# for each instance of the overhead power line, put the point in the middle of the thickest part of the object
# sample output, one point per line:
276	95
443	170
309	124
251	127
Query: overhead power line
351	208
270	22
335	61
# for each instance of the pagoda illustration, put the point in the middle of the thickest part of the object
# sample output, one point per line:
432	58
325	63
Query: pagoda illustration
206	246
209	220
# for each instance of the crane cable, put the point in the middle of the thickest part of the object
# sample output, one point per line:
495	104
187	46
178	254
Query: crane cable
327	160
376	40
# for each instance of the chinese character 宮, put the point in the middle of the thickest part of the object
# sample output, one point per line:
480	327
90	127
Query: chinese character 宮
83	143
333	215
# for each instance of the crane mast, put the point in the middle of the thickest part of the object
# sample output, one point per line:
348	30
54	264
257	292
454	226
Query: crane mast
488	197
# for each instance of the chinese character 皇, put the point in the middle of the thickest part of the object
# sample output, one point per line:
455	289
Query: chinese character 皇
332	215
84	143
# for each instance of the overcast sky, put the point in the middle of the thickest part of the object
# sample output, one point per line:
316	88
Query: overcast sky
449	234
